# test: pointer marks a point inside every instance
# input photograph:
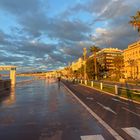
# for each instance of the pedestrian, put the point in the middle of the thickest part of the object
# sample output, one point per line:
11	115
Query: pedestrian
0	77
59	79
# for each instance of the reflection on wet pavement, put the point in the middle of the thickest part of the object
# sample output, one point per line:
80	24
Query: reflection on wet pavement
44	110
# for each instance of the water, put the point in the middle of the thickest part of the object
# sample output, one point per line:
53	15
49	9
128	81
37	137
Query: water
45	110
18	79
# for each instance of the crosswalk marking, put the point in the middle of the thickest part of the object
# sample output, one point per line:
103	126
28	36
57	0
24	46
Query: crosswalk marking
92	137
133	132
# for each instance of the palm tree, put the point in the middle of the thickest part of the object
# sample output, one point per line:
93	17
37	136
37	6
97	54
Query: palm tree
131	63
94	49
135	21
118	64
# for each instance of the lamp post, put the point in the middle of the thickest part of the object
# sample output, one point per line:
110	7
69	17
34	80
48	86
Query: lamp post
84	54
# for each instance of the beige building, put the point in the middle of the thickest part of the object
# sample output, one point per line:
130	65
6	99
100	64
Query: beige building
105	58
132	61
77	64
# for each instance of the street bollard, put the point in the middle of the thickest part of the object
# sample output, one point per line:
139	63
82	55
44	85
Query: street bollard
92	83
101	86
85	82
81	81
116	89
77	81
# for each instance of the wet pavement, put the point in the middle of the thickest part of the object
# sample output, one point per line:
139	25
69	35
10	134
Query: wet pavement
123	116
45	110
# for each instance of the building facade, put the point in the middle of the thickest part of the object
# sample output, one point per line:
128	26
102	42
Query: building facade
105	59
77	64
132	61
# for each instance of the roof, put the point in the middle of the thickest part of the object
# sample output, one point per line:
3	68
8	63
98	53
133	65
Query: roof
7	67
133	46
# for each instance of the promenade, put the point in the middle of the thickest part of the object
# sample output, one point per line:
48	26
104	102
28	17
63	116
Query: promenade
45	110
48	110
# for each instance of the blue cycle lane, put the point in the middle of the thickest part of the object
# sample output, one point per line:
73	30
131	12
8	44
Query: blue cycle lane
45	110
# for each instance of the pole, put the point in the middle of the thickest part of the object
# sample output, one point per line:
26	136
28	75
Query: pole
84	54
116	89
95	60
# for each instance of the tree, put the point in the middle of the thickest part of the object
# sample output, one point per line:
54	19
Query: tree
81	72
133	64
135	21
118	64
90	70
94	49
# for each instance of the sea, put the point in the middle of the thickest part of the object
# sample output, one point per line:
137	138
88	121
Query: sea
18	79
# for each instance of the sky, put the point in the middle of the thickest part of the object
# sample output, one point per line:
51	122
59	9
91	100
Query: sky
43	35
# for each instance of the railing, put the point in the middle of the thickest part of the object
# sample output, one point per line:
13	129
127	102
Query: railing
122	91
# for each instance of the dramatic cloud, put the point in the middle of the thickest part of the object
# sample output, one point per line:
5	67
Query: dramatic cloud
49	34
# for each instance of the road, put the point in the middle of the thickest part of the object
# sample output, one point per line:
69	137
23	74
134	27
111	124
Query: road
45	110
123	116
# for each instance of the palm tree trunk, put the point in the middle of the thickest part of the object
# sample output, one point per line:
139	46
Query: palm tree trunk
95	66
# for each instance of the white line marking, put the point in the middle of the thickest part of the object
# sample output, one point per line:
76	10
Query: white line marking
138	107
31	123
88	91
107	108
75	85
92	137
119	101
46	136
133	132
131	111
103	123
89	98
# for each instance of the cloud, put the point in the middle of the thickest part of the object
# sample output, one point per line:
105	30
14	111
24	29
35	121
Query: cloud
4	38
20	7
39	39
68	30
101	30
119	37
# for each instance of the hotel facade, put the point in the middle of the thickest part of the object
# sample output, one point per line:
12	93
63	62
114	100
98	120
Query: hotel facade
132	61
105	58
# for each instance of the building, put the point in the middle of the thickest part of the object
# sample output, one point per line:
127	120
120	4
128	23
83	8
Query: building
77	64
105	58
132	61
12	70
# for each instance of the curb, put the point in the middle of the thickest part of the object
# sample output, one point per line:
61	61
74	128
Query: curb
112	94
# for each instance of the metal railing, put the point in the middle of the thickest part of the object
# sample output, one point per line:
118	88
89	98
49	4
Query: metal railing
115	89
